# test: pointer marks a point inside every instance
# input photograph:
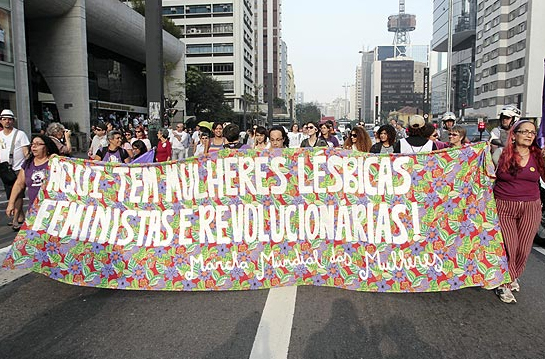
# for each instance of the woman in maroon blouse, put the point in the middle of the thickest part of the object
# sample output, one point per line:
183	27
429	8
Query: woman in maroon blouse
517	199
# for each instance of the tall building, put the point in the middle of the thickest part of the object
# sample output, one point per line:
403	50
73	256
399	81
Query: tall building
291	101
299	98
268	30
366	108
401	85
509	56
464	19
356	95
219	38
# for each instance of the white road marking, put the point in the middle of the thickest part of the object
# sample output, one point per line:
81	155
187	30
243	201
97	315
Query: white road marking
272	340
540	250
9	275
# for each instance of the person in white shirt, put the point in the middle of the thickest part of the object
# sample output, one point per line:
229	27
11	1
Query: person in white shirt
99	140
295	136
195	138
8	136
176	140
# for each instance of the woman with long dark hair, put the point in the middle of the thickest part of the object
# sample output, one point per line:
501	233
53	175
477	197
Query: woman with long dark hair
261	138
314	138
387	138
217	141
33	173
358	140
516	191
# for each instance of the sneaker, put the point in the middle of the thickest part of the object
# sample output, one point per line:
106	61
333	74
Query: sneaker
505	294
515	286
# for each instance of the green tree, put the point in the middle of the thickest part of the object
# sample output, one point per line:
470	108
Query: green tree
168	25
205	97
307	112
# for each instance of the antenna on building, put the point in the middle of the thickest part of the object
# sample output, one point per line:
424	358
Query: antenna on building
401	24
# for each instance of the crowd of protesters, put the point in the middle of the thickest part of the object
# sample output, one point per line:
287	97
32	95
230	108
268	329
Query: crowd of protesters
519	159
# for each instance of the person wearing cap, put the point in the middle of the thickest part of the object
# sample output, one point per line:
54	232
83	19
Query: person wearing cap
11	137
416	141
99	140
498	136
516	191
448	120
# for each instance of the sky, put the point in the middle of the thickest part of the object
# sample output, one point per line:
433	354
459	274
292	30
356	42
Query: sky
324	38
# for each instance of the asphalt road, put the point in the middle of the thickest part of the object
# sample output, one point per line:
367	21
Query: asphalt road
41	318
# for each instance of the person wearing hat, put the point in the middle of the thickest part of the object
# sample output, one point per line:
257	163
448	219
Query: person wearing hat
498	136
13	151
99	140
416	141
448	120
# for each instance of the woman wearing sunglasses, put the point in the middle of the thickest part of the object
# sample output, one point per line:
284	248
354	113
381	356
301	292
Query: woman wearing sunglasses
457	136
358	140
140	134
518	201
314	139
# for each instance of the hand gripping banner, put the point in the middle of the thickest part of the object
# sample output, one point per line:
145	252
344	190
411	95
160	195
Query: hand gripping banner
238	220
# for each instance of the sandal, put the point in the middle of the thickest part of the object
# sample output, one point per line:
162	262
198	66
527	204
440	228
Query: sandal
16	228
10	223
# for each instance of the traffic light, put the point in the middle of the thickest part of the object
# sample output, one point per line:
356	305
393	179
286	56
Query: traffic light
481	126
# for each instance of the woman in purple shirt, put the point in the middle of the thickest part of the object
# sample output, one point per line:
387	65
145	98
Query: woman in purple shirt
517	199
33	172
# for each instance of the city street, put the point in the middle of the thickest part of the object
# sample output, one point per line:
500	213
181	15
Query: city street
42	318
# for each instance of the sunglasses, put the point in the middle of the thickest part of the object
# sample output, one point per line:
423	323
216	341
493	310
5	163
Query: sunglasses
138	131
435	135
353	135
311	127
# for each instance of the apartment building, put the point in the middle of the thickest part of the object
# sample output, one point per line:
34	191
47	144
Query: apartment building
268	43
509	56
463	27
219	38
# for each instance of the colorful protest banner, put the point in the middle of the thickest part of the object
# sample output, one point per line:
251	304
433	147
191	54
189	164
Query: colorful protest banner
237	220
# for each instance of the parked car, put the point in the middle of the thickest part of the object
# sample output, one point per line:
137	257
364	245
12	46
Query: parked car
473	133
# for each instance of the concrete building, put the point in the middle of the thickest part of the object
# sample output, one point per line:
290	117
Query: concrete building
396	83
464	19
77	58
291	93
268	31
299	98
509	56
219	38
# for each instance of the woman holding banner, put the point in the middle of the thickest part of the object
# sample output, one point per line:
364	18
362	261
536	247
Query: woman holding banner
516	191
33	172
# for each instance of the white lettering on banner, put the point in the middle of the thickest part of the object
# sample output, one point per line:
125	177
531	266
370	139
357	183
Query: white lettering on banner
234	176
392	262
400	262
247	223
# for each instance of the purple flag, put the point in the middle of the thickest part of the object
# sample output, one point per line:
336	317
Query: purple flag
541	132
147	157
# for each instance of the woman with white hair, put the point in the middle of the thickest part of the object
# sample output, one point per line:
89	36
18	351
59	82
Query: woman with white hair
61	137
